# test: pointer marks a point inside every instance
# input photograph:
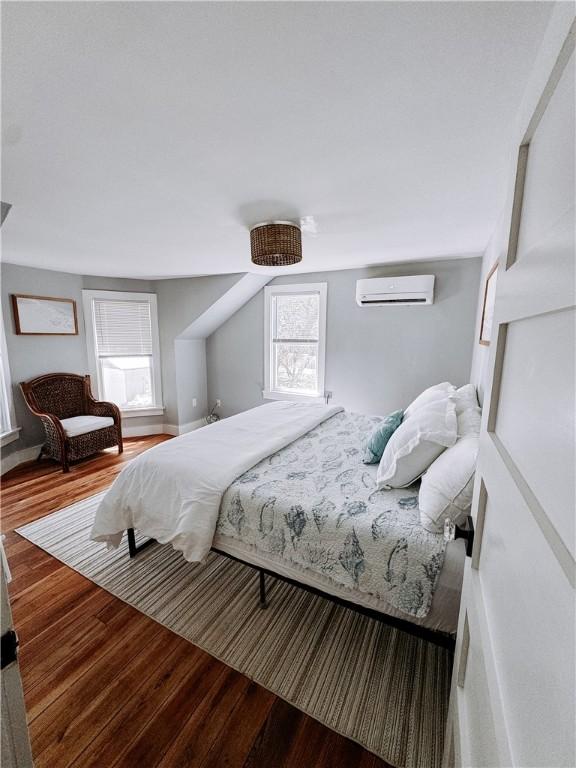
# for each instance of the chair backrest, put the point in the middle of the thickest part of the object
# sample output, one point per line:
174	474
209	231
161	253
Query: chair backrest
63	394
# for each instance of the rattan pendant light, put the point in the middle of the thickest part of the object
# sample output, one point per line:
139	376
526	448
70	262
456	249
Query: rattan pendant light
276	244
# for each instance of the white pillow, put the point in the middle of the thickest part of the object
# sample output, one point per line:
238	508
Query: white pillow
469	421
465	398
446	488
416	443
430	395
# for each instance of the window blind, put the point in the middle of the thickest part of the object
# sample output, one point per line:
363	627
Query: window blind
122	328
297	317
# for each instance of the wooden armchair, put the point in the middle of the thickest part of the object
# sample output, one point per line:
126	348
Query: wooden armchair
76	424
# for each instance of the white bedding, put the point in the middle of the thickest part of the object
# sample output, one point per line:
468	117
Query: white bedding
185	478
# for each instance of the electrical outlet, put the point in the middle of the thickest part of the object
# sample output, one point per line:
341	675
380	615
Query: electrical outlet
194	402
218	403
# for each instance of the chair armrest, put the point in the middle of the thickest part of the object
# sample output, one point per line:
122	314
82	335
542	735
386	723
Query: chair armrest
52	424
50	419
103	408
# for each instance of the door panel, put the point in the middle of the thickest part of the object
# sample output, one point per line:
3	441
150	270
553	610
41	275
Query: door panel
543	280
481	748
535	421
15	742
529	607
549	184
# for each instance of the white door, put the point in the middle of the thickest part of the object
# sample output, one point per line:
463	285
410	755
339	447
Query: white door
512	700
15	741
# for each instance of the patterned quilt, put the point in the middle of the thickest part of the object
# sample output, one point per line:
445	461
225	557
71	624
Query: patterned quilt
316	505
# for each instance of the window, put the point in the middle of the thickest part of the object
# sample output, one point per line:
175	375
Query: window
8	429
295	341
122	336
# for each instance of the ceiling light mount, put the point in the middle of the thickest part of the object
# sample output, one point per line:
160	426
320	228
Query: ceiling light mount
276	243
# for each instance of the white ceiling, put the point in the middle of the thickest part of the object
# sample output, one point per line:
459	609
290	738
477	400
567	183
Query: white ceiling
141	139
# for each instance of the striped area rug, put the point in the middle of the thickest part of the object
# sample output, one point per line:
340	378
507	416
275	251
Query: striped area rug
376	685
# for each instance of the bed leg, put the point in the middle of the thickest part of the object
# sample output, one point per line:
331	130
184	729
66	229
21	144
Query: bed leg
133	548
263	603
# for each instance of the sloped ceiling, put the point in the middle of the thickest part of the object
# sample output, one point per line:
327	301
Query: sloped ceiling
224	307
141	139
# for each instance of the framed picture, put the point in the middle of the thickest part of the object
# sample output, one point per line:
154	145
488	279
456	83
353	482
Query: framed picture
44	316
488	306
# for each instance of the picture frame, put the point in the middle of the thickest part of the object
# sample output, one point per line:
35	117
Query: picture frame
488	307
44	315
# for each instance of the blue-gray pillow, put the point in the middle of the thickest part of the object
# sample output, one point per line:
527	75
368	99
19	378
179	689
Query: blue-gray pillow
373	448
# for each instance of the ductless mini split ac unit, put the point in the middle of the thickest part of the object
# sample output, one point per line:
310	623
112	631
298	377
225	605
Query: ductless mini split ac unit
395	291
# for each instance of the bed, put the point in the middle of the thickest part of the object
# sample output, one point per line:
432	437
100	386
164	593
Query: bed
282	488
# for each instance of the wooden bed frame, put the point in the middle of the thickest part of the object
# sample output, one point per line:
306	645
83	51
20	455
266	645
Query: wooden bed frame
442	639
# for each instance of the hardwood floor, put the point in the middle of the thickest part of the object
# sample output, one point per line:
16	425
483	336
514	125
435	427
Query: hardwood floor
107	686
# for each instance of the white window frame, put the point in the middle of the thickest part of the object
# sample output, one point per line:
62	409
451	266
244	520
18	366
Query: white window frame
294	288
13	432
88	297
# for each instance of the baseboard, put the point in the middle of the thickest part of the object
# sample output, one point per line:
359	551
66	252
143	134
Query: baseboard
159	429
20	457
142	431
182	429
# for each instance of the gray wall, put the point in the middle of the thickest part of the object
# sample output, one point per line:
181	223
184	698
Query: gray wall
377	358
180	302
190	356
31	356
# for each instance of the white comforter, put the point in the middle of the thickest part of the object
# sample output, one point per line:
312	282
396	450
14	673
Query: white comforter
173	491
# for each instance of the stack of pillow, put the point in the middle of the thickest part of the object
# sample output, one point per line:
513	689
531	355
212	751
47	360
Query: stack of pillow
435	438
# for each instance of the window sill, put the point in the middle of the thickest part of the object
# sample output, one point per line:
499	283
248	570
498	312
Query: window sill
10	436
136	412
271	395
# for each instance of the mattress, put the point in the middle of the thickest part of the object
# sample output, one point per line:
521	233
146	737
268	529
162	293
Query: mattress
442	617
312	512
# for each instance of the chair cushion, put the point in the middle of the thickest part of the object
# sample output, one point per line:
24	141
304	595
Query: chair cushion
80	425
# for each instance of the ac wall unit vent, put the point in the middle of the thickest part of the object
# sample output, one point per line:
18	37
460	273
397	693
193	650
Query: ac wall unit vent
395	291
